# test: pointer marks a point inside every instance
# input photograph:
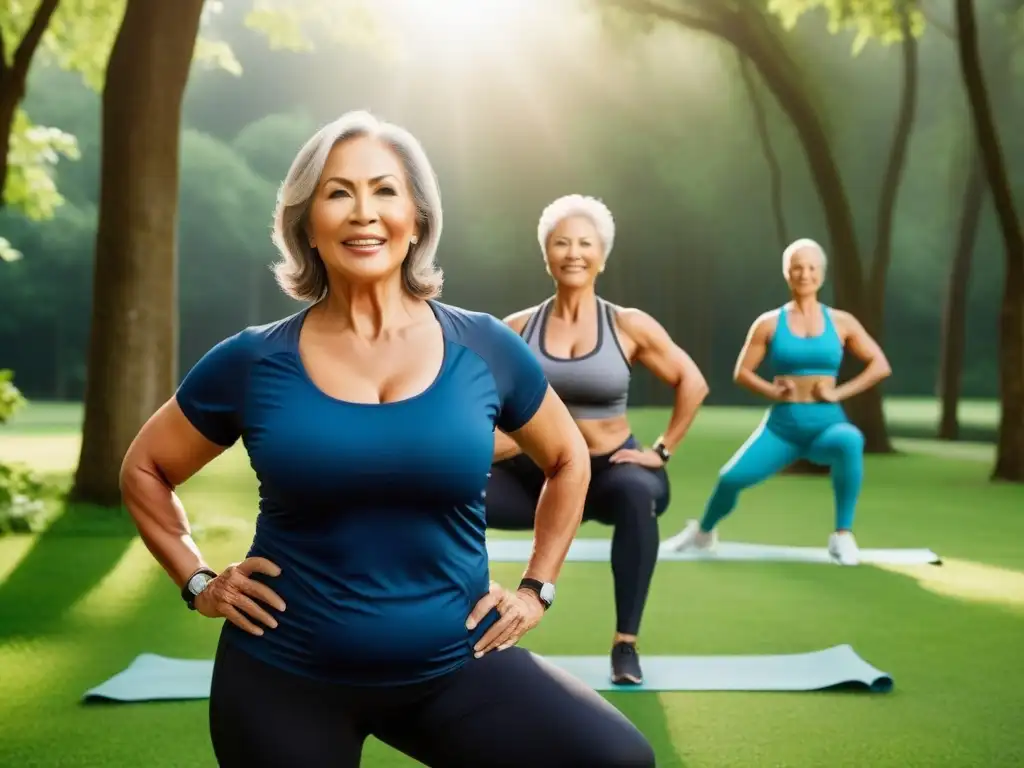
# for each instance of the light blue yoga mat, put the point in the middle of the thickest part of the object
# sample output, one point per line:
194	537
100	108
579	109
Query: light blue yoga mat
599	551
158	678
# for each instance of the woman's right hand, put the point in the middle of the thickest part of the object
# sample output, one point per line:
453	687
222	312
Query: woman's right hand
785	389
233	595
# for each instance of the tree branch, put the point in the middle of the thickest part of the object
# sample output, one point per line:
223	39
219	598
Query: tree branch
764	134
18	71
685	18
893	173
943	27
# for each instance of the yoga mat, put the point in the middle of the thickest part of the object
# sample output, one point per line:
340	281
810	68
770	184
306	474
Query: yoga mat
599	551
158	678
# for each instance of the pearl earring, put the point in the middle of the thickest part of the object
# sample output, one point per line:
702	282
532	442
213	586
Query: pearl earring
414	239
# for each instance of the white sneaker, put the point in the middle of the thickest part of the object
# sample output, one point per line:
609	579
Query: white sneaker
842	548
691	537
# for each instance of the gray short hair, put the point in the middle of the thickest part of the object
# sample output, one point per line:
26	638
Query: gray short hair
797	245
301	272
577	205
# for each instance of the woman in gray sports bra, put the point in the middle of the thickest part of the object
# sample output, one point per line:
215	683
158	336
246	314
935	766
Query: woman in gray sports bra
586	347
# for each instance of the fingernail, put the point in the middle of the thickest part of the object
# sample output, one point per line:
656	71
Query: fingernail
273	624
259	631
478	654
470	624
502	647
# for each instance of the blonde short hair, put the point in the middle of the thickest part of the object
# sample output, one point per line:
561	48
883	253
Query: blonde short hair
301	272
577	205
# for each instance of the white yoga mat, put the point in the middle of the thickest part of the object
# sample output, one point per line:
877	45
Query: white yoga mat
599	551
158	678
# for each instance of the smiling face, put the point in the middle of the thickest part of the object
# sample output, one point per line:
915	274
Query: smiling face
806	272
574	254
363	216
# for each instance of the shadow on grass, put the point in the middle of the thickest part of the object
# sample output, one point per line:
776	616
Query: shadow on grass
647	712
68	559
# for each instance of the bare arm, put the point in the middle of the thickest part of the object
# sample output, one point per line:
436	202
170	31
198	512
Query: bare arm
504	446
670	363
752	355
862	346
167	451
554	443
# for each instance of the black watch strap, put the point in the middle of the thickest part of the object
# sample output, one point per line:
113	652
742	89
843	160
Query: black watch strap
186	593
663	452
536	587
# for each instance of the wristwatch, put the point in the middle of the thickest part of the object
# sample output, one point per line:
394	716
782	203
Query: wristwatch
663	452
195	584
544	590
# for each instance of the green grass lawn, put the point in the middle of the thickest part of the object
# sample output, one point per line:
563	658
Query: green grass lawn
78	603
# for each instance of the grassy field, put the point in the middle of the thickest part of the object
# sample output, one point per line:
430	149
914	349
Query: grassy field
78	603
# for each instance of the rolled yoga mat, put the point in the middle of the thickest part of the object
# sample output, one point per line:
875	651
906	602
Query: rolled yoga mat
158	678
599	551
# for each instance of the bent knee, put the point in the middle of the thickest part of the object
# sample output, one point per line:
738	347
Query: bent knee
849	439
639	491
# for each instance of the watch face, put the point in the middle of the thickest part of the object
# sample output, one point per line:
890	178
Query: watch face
547	593
198	583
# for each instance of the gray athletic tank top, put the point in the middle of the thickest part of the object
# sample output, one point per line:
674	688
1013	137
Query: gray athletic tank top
594	386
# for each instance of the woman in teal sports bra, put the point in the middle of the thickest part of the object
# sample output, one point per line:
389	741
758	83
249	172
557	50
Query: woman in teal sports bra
804	342
587	348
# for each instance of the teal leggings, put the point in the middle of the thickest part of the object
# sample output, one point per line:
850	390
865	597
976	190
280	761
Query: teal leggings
818	432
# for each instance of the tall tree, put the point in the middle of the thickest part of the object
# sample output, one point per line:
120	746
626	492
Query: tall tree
954	319
893	171
756	29
1009	463
133	340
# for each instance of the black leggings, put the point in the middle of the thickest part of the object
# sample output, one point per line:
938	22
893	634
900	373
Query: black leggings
627	496
509	708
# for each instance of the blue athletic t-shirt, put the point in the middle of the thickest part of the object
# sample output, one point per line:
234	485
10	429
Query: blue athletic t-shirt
374	512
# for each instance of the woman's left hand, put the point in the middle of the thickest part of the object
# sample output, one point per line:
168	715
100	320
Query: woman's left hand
520	612
645	458
825	392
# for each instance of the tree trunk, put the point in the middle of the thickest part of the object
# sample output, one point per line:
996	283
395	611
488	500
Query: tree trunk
133	345
875	319
954	321
12	81
1010	448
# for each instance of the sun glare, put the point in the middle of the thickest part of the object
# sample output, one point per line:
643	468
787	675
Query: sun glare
458	26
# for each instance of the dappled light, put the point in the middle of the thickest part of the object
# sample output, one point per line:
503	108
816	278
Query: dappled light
774	443
967	580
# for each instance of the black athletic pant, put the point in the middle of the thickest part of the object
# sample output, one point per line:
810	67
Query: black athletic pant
627	496
509	708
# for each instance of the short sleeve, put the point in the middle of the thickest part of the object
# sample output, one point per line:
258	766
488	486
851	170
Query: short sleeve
212	392
519	376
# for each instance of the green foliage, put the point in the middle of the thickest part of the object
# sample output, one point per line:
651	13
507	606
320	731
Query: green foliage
11	399
877	20
35	151
7	251
23	497
290	24
78	38
22	491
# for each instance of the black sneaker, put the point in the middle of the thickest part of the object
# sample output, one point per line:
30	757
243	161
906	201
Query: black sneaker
626	665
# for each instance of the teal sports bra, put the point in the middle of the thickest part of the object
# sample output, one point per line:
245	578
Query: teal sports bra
791	355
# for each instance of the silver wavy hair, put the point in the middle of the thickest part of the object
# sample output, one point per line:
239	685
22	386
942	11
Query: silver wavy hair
797	245
577	205
301	272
